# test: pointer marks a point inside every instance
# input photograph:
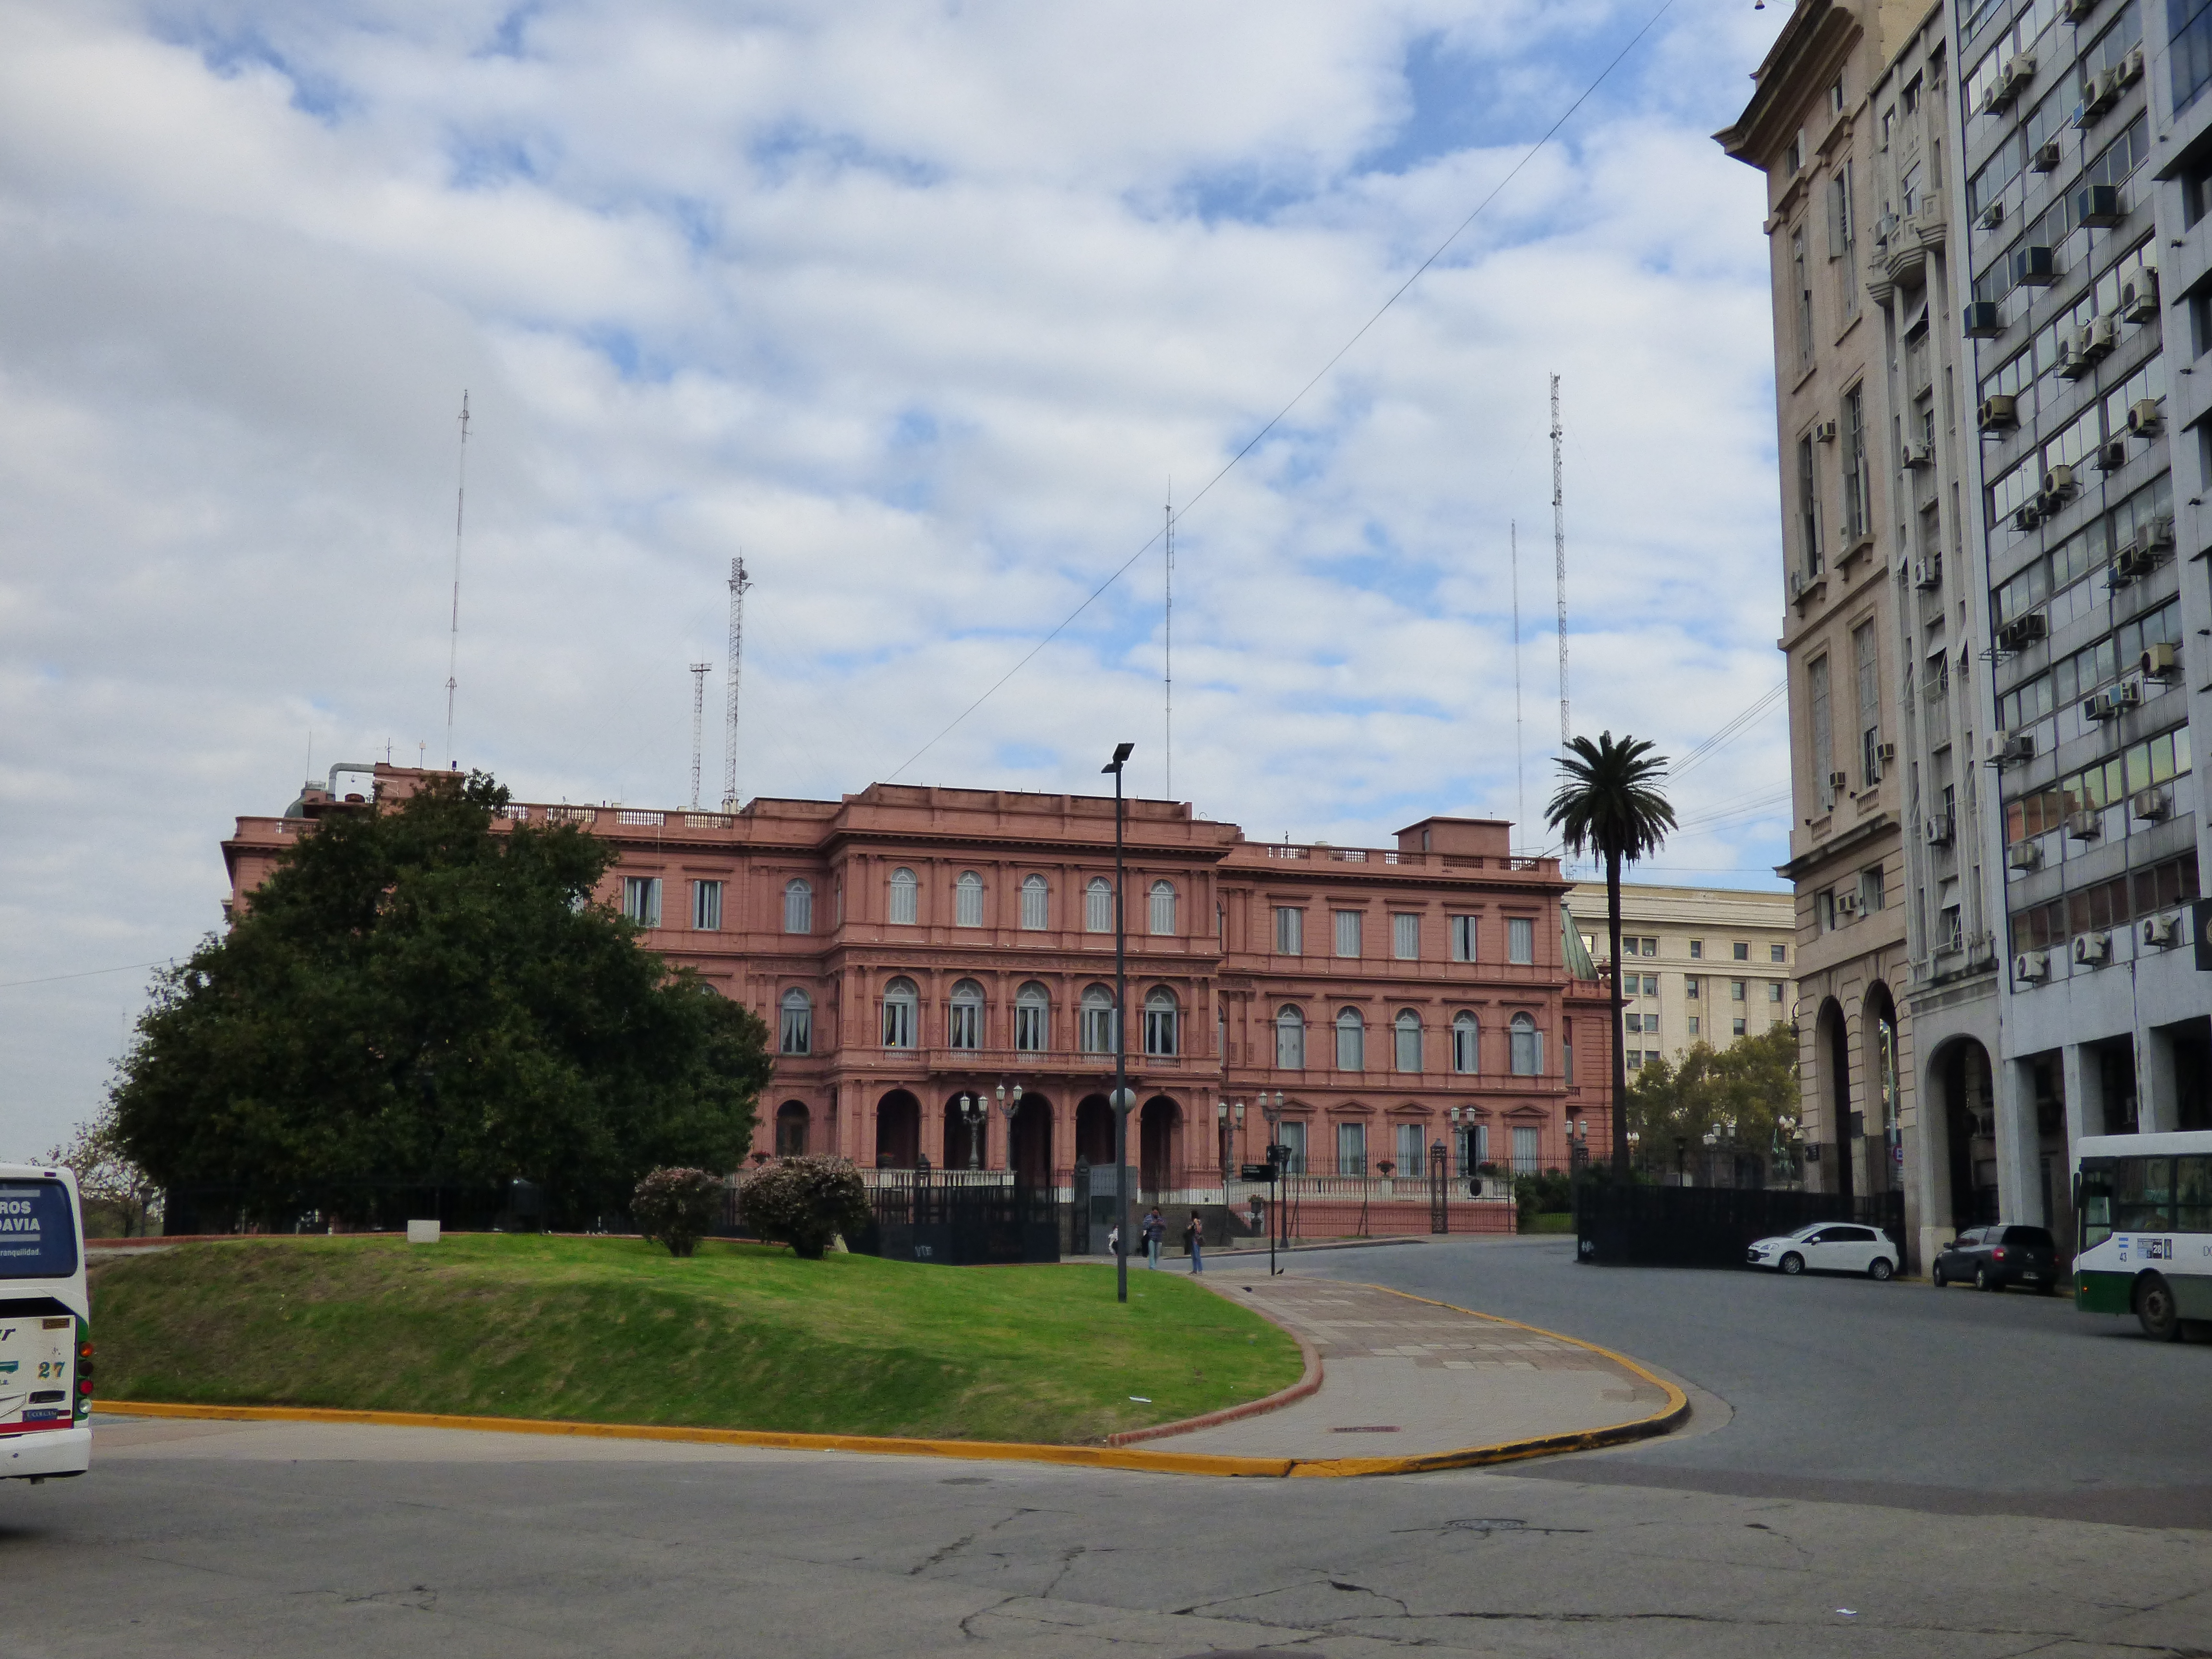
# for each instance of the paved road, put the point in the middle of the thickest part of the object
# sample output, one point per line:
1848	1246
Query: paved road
208	1540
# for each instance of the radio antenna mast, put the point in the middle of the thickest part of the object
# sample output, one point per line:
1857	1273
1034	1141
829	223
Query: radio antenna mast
1559	556
1520	762
1167	659
698	715
738	583
454	642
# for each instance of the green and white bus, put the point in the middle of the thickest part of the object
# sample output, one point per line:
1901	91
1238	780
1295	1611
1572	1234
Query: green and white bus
2145	1204
46	1327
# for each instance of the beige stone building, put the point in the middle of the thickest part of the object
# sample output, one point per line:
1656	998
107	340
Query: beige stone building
1699	964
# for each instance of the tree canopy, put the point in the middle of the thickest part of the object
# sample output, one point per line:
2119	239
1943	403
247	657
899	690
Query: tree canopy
414	998
1746	1093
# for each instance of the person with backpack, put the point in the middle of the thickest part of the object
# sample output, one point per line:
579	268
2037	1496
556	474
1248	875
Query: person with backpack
1193	1240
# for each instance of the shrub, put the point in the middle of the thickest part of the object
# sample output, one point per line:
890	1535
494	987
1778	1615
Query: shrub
679	1207
805	1202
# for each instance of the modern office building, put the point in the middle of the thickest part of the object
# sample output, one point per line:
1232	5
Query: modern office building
912	948
1701	964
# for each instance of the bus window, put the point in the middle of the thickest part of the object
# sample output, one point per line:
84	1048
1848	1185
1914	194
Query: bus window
38	1233
2192	1194
2095	1203
2142	1195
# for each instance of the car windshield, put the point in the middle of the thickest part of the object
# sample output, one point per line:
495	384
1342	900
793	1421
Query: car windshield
1808	1232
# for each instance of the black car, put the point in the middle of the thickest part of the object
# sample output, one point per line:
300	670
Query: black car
1991	1258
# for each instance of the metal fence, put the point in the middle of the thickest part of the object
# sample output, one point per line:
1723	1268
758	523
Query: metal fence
1709	1227
962	1218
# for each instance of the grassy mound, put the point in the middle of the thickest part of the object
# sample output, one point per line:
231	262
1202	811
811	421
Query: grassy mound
614	1330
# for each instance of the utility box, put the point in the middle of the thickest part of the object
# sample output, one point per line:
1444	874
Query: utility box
422	1232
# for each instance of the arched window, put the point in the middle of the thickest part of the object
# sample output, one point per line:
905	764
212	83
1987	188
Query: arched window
1098	906
1160	1022
798	1022
1164	907
1351	1041
791	1126
1527	1047
902	1002
1097	1020
964	1026
967	908
1466	1044
1409	1041
1290	1039
1032	1013
903	891
1036	897
798	908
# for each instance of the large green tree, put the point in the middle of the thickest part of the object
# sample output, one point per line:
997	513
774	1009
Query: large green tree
1746	1094
415	998
1608	804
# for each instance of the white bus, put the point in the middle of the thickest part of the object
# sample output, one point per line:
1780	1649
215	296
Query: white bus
2145	1204
46	1327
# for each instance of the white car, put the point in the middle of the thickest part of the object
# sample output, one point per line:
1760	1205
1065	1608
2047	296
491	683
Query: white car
1828	1247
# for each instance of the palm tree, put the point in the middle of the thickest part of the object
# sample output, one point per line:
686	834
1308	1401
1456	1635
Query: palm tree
1609	804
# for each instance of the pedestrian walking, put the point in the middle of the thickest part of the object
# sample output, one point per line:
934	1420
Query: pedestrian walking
1113	1240
1156	1231
1193	1240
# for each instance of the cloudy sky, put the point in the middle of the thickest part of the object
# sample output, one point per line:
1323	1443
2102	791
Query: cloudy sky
926	309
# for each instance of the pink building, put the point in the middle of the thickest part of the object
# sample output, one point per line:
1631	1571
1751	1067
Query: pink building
911	946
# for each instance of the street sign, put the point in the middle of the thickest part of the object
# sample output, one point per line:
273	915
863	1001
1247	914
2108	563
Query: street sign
1259	1172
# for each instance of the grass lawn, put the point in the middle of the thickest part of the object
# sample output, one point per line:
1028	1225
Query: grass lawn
1551	1221
615	1330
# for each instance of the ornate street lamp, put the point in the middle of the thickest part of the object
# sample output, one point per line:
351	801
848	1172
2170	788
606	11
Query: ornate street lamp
974	1112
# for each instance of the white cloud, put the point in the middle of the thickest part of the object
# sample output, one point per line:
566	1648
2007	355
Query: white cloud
922	307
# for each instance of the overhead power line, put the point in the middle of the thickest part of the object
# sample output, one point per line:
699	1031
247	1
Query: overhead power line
1319	374
89	973
1728	734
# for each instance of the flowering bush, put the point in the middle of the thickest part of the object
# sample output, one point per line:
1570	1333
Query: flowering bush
676	1207
805	1202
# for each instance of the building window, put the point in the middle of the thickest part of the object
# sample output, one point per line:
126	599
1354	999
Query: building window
1867	661
1858	506
1735	990
1736	1028
967	900
1823	733
1406	936
1164	909
1410	1160
1774	990
1527	1047
1351	1149
903	898
1032	1012
797	1023
1408	1029
1347	933
707	906
1808	508
1462	938
1740	950
1693	1024
641	900
1292	1138
901	1004
1037	899
1693	986
1290	1040
1803	279
1466	1044
1290	931
798	908
1697	950
1160	1022
1527	1151
1778	953
964	1024
1843	238
1870	891
1098	906
1351	1041
1097	1032
1520	940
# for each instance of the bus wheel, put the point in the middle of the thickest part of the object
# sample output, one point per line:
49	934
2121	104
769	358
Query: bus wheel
2156	1310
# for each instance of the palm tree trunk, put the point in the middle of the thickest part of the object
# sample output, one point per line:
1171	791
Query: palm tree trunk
1619	1054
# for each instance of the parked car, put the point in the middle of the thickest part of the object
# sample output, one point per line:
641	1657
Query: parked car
1991	1258
1828	1247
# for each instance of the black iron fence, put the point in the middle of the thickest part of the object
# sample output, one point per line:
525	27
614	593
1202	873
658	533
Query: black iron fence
372	1206
960	1218
1709	1227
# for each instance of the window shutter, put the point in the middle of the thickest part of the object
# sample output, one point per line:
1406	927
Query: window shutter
1837	209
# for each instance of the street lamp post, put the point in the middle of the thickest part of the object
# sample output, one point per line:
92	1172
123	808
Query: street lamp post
1007	1108
1275	1154
973	1112
1122	752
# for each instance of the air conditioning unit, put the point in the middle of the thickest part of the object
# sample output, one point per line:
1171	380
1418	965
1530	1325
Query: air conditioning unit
2112	457
2090	949
1928	574
2031	967
1991	217
2125	695
2102	336
2023	630
2029	516
1847	904
2150	805
2131	66
2098	206
1838	780
2086	824
2023	855
1885	753
2161	661
2045	157
2074	10
1939	830
2143	415
1999	412
2058	483
2158	533
2139	295
2010	80
1916	456
2157	932
2098	706
2009	748
2033	267
1823	432
2130	563
2069	355
1984	320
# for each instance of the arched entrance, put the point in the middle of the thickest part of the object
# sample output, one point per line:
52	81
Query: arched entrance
1881	1098
1094	1130
1959	1079
1157	1123
1833	1053
961	1141
899	1130
1029	1142
792	1120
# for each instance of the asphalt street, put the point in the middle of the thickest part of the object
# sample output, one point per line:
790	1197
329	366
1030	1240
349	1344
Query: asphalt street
368	1542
